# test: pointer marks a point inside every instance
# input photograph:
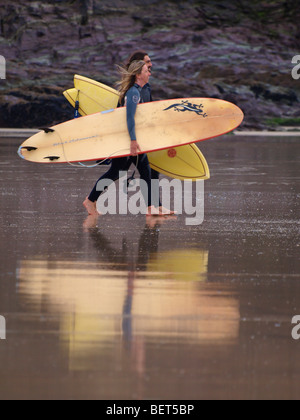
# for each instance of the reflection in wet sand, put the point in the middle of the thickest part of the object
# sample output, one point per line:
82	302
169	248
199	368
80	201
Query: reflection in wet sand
98	305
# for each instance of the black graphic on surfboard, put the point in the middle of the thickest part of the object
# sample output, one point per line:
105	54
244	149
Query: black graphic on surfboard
188	106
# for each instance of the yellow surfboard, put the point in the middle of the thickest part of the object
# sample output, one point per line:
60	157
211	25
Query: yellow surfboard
93	96
159	125
186	162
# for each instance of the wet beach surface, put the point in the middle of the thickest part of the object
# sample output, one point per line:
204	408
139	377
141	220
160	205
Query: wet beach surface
118	308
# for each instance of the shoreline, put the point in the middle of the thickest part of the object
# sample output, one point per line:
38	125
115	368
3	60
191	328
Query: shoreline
23	132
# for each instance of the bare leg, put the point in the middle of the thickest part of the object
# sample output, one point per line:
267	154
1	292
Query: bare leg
91	207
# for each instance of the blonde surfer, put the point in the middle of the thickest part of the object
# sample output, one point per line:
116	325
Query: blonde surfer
131	92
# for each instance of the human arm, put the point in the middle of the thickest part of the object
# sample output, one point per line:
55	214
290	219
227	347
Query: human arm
132	100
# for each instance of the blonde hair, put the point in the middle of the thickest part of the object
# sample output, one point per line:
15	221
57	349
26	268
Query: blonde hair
128	77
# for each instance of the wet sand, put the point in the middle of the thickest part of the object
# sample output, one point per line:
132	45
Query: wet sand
120	309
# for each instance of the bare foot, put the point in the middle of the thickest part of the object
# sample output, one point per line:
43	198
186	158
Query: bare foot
91	207
165	212
153	211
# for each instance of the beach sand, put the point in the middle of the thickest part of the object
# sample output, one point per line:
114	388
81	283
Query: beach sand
122	308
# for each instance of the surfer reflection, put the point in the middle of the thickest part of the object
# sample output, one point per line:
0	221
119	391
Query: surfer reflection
148	244
134	79
134	263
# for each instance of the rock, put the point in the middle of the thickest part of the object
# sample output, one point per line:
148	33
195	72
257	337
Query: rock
240	52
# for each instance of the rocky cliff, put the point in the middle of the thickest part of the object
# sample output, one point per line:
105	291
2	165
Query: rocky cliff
240	51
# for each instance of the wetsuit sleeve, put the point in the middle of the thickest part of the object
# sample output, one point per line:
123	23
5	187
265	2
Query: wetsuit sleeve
132	100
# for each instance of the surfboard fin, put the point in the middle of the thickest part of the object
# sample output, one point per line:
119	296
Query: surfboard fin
52	158
47	130
104	162
29	148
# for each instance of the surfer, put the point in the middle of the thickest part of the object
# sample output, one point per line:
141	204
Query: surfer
133	80
147	97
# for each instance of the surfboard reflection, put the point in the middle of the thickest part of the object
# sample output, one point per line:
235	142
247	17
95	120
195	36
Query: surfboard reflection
125	299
